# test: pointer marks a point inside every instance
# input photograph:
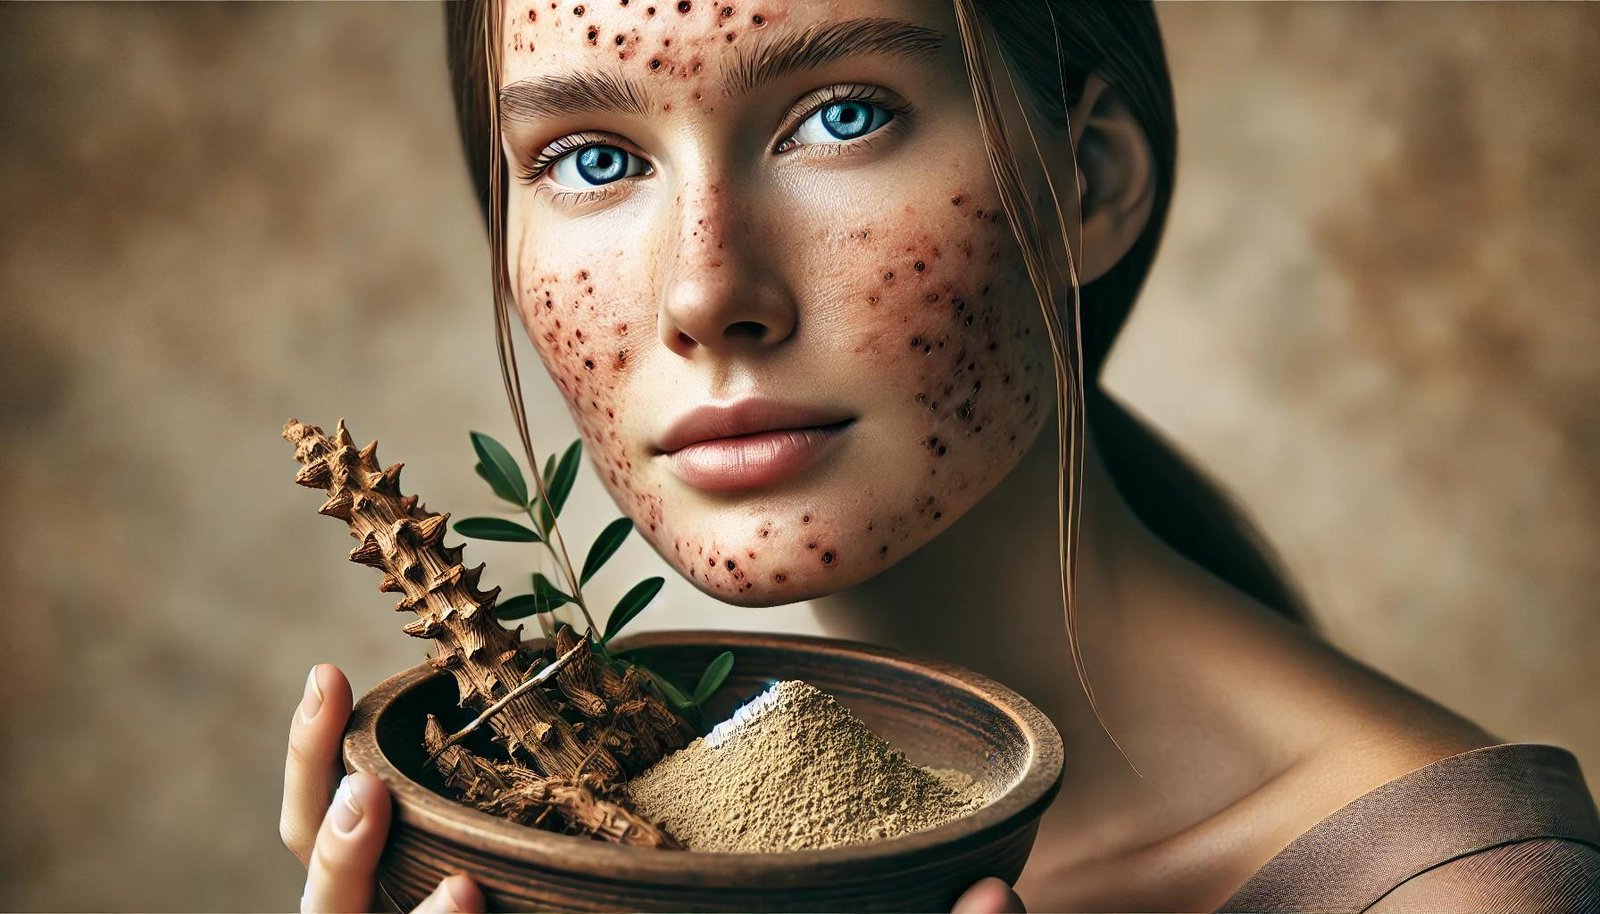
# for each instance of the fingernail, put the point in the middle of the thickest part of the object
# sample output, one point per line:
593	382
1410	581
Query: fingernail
346	810
312	702
463	896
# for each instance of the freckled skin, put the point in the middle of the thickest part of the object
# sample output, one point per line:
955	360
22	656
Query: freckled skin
888	288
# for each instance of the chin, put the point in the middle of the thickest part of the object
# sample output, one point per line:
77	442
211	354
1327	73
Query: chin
758	596
759	557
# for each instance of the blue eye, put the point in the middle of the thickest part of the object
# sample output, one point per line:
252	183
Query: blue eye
595	165
846	119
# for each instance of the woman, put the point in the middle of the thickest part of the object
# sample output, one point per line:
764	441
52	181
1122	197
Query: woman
808	276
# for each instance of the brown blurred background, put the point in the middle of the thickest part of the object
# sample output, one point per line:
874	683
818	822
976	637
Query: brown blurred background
1374	319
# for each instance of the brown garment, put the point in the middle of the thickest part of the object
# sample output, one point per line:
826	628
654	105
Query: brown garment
1508	828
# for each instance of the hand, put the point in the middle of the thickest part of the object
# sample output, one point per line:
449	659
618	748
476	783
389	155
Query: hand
989	896
338	836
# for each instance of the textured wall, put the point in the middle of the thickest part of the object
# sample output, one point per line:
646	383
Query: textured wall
1371	320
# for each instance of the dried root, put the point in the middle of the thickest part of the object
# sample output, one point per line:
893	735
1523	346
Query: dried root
510	791
570	767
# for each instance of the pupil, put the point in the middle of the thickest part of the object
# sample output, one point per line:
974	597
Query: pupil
600	164
845	119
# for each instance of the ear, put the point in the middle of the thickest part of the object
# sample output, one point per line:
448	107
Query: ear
1116	171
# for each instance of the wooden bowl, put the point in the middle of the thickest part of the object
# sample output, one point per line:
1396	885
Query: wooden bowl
938	713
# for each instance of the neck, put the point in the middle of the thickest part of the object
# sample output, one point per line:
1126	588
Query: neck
986	593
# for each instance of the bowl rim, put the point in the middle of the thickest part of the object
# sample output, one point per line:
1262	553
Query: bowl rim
419	807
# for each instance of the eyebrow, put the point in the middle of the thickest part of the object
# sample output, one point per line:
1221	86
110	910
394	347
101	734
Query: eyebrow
589	92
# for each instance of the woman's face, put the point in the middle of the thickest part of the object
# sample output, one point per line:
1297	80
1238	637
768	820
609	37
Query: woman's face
784	210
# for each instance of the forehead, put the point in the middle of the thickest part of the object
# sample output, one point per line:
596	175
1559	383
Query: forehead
685	39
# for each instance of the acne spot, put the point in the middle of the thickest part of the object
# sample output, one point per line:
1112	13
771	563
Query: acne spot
779	578
888	276
594	34
938	514
957	200
805	518
726	12
577	10
811	545
827	558
649	11
684	6
730	565
588	364
655	63
757	20
916	342
883	551
919	266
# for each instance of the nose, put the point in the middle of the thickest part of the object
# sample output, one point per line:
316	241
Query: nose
723	293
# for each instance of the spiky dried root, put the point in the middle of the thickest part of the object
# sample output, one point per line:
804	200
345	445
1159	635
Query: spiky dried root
626	727
403	540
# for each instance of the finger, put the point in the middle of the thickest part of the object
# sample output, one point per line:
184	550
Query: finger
342	874
989	895
455	893
312	767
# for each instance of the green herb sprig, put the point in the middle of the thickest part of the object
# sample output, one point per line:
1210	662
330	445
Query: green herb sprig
504	476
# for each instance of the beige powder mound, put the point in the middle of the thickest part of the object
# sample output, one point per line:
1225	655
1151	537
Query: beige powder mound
792	770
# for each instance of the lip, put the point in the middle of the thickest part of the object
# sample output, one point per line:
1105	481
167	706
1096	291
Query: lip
749	443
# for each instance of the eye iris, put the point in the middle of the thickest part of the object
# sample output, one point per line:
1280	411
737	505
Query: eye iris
601	164
847	119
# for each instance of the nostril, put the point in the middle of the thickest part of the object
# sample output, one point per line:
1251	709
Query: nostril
685	339
751	329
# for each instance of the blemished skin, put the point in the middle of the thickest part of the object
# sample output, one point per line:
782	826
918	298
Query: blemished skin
736	247
839	272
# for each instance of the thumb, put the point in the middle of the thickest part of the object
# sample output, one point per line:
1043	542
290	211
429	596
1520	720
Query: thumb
989	895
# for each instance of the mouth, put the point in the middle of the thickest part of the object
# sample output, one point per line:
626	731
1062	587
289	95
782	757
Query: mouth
755	460
750	444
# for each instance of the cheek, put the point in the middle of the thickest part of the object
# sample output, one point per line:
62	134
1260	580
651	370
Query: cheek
590	346
952	328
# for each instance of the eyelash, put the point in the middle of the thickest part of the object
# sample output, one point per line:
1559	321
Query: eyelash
533	170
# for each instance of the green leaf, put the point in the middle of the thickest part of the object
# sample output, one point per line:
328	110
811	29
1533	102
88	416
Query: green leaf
502	472
549	469
605	546
520	606
500	490
672	693
549	595
631	604
711	680
495	528
547	518
566	473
